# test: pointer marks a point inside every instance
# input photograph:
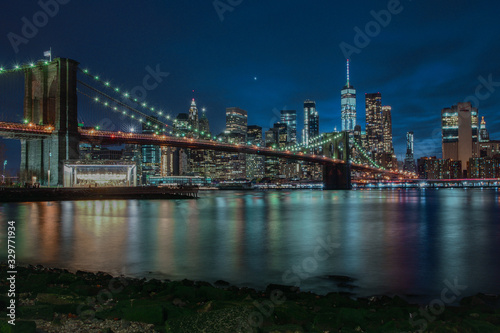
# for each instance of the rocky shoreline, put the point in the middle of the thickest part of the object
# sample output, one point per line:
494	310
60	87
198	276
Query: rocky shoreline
56	300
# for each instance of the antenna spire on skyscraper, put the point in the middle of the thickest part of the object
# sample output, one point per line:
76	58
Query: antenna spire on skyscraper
348	72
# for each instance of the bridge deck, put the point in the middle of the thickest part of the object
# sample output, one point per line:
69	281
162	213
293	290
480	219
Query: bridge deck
30	131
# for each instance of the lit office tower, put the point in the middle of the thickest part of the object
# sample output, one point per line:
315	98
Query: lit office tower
289	117
201	161
387	129
204	126
311	122
236	132
151	160
409	164
374	129
460	132
193	118
348	105
255	163
236	124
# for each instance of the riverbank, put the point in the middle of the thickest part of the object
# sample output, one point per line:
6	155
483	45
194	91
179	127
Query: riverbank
95	193
55	300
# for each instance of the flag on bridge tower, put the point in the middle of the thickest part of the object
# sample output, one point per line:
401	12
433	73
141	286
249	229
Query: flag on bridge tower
48	54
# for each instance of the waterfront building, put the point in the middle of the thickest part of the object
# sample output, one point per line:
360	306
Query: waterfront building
484	167
489	149
99	173
434	168
181	181
460	132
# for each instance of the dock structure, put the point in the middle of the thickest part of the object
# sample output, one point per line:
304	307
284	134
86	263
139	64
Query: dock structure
96	193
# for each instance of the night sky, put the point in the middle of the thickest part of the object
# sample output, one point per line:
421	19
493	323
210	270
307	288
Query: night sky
264	56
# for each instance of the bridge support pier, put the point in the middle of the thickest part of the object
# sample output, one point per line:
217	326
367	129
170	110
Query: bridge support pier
50	99
337	177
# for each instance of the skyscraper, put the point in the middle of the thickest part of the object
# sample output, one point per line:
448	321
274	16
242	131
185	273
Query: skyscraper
484	136
255	163
193	118
409	164
236	132
348	105
289	117
460	132
201	161
311	122
387	158
203	126
374	131
181	124
236	124
151	156
387	130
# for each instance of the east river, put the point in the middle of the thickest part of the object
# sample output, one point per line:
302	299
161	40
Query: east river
407	242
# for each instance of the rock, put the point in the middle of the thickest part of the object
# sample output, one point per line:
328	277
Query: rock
290	313
340	278
178	302
202	284
152	314
351	317
21	326
55	299
211	293
285	289
222	283
284	329
187	283
45	312
229	320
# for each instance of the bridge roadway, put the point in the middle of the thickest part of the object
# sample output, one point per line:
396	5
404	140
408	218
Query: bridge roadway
32	131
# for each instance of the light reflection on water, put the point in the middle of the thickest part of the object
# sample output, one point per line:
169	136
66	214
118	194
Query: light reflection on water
394	241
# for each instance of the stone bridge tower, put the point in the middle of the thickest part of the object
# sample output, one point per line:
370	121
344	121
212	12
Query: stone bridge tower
337	177
50	98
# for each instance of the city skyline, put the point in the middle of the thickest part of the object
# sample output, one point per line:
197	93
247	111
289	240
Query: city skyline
231	68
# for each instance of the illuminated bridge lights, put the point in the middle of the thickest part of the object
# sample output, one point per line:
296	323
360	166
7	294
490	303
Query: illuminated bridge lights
107	84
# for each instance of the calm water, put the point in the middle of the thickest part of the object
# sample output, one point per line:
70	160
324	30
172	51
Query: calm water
403	242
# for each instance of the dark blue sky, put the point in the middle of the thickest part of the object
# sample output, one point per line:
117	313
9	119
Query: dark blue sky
429	56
